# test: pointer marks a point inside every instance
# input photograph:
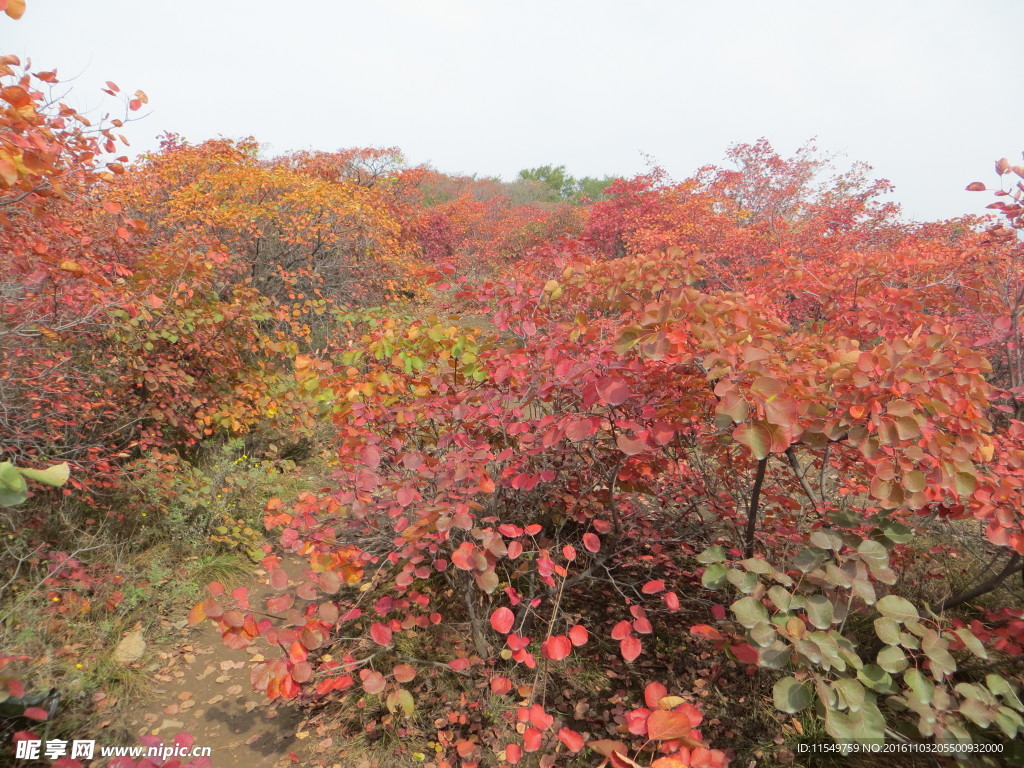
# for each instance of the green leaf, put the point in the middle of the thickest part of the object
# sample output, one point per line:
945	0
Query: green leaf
791	695
775	657
888	630
937	649
864	590
749	612
864	726
971	642
757	565
756	437
1001	687
964	483
54	476
897	608
628	339
763	634
401	699
851	691
922	687
897	532
1009	722
827	539
874	554
744	582
13	488
808	559
820	611
714	576
829	648
892	659
876	678
781	597
914	481
713	555
977	712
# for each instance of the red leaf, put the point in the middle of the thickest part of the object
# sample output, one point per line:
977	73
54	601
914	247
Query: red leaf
976	186
613	390
540	718
672	601
403	672
370	456
718	611
745	653
557	648
578	634
571	739
653	587
500	685
373	682
278	579
381	633
532	739
630	647
36	713
513	753
502	620
581	429
629	446
653	693
620	630
591	542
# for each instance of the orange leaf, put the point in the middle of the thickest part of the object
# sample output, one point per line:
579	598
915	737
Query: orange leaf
662	725
72	267
15	8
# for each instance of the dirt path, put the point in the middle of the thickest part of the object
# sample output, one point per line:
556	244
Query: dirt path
203	688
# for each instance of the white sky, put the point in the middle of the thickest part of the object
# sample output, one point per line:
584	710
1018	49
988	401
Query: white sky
926	92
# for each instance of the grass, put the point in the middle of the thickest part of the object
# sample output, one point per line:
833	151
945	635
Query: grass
141	569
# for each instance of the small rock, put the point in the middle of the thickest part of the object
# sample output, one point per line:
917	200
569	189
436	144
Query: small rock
131	648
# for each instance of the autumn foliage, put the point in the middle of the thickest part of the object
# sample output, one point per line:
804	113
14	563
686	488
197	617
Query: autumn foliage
722	424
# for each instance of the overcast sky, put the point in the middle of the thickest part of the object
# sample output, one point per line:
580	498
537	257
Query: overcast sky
926	92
